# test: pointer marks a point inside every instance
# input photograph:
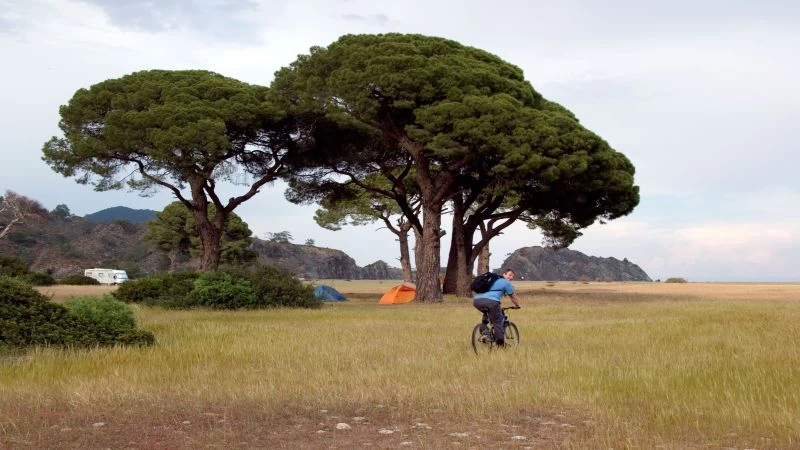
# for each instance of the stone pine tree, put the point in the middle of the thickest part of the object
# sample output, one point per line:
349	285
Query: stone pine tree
574	179
356	206
432	98
185	131
174	232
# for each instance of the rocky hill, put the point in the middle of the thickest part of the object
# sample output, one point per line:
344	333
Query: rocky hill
538	263
318	262
64	246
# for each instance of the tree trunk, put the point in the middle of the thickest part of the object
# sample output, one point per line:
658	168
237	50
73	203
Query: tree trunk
210	237
428	288
405	257
450	276
417	251
458	273
483	259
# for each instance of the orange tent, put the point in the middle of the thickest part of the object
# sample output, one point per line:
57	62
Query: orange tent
398	295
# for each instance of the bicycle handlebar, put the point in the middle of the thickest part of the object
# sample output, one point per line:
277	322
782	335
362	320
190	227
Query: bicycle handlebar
510	307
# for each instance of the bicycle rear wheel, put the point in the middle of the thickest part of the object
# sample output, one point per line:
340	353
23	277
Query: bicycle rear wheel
479	342
512	335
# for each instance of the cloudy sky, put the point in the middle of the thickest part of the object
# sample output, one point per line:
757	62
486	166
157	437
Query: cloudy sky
703	97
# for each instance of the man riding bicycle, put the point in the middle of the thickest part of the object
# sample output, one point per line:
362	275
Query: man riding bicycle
489	304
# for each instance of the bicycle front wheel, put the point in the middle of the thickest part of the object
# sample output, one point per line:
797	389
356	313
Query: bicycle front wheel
512	335
479	342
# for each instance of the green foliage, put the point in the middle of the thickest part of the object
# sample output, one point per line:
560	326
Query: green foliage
61	212
78	280
178	124
222	290
477	132
262	287
40	279
276	286
169	289
172	129
11	266
675	280
175	232
28	318
104	311
281	236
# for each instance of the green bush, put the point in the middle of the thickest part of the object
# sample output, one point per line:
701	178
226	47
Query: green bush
11	266
28	318
675	280
222	290
105	310
78	280
169	289
40	279
275	286
263	287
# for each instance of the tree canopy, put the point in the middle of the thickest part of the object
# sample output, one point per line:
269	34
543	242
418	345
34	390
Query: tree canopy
184	131
468	121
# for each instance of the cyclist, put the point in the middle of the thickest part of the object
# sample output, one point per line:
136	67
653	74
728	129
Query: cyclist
489	304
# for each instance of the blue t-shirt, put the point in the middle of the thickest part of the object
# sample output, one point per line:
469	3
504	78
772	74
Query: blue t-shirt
500	287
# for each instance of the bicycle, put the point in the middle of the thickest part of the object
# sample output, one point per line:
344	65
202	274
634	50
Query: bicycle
483	340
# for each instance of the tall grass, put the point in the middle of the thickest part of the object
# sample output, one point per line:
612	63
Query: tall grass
645	368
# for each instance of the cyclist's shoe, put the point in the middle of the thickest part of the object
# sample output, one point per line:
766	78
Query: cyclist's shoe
500	344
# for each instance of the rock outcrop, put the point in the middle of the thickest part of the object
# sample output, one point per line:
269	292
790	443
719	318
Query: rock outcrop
546	264
313	262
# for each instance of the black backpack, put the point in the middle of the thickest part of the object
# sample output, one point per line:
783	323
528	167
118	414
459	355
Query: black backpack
483	283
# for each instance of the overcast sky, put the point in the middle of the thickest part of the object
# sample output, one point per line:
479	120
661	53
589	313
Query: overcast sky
703	97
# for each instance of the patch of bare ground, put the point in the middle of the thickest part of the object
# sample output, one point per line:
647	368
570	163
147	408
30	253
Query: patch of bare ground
58	292
171	425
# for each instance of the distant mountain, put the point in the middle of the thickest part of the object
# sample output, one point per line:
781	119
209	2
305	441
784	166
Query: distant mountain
121	213
546	264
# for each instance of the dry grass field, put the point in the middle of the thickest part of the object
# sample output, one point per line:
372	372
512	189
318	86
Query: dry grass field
601	365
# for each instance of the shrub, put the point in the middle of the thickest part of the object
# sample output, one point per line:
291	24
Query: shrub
40	279
28	318
111	321
105	310
675	280
78	280
230	288
275	286
11	266
169	289
222	290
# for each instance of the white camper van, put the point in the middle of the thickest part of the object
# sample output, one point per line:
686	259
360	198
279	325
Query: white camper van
107	276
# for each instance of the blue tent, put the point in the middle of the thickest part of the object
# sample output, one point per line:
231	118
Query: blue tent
328	294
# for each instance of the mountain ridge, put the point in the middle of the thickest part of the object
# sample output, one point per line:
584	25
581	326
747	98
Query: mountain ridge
121	213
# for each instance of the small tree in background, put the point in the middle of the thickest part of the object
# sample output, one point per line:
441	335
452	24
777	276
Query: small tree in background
281	236
61	212
175	233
